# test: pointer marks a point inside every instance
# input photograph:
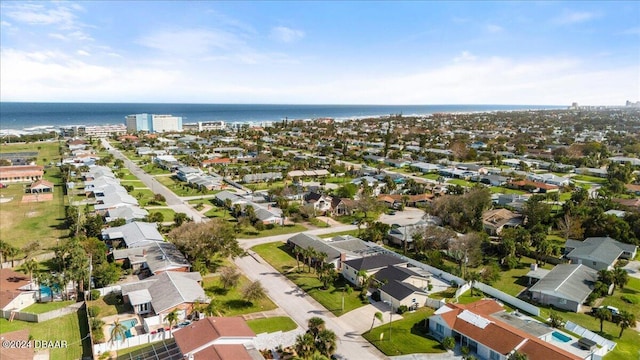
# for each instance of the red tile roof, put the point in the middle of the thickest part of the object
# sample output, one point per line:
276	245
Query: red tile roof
17	353
10	282
223	352
203	332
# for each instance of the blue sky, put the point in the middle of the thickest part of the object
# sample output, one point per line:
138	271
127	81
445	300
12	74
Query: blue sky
332	52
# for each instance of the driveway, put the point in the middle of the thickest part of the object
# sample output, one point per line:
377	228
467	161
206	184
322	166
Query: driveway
633	268
300	307
406	217
361	318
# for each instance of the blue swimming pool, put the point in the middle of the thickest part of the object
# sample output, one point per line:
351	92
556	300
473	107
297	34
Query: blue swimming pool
128	324
45	291
560	337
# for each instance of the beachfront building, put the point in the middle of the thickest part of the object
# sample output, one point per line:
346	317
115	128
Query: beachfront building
153	123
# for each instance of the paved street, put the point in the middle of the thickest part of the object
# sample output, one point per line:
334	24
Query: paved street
173	201
248	243
300	307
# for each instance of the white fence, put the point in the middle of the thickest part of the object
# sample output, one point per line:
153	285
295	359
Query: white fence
435	303
30	317
14	263
462	289
522	305
580	331
109	289
130	342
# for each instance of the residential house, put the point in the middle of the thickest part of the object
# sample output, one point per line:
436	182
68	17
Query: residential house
184	172
321	203
495	220
493	334
566	286
41	186
161	294
598	252
17	291
399	234
254	178
597	172
343	206
134	234
128	213
217	338
369	264
426	167
18	345
403	286
306	241
533	186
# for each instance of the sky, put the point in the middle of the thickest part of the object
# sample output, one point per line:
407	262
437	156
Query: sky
315	52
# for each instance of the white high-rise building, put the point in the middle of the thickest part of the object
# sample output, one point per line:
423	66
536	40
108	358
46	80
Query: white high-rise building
153	123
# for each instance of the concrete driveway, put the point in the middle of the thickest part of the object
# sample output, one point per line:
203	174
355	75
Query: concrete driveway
633	268
361	318
406	217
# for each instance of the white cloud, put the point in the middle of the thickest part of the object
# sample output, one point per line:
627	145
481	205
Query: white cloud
574	17
286	35
191	42
4	23
465	56
82	53
59	13
492	28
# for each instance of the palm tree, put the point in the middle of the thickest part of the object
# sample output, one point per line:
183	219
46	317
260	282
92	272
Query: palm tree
30	266
472	277
212	308
172	318
620	277
326	342
602	314
117	331
297	252
315	325
627	319
305	345
227	205
377	315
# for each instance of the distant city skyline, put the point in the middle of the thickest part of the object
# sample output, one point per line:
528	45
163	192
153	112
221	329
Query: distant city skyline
321	52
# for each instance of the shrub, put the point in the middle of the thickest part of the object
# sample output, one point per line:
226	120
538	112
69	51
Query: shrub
94	311
96	324
402	309
98	337
631	299
95	294
375	296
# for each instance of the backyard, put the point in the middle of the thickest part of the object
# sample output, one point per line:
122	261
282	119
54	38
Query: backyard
273	324
282	260
229	301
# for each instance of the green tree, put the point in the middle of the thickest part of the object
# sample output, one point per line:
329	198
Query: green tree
117	331
315	325
305	345
448	342
516	355
229	277
626	320
30	267
253	292
201	241
326	342
472	277
172	318
602	314
378	316
555	320
620	277
180	218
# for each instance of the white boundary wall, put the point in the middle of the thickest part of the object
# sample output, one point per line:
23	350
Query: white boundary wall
522	305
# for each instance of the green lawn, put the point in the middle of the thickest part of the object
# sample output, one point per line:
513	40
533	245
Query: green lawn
504	190
251	233
154	170
134	183
353	233
281	259
180	188
41	308
269	325
230	300
460	182
22	223
143	196
110	304
67	328
406	336
216	212
431	176
168	214
588	178
514	281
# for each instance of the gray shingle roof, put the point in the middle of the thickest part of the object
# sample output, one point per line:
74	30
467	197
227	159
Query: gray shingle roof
305	241
601	249
395	273
164	256
399	290
568	281
374	262
174	288
134	234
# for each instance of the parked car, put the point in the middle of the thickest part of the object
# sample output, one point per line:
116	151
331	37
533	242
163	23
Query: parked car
615	313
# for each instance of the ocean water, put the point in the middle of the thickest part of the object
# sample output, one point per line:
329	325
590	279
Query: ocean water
21	115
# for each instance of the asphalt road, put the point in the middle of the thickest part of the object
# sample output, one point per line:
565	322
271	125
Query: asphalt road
173	201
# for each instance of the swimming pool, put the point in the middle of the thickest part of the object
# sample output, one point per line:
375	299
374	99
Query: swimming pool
45	291
560	337
128	324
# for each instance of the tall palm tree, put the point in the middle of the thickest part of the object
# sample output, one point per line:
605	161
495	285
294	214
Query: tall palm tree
377	315
30	267
227	205
298	252
472	277
602	314
172	318
627	319
117	331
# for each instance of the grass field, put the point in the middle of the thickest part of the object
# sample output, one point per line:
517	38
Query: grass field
230	300
110	304
180	188
591	179
168	214
22	223
41	308
406	336
282	260
269	325
68	328
353	233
